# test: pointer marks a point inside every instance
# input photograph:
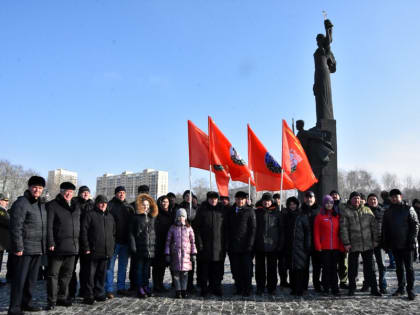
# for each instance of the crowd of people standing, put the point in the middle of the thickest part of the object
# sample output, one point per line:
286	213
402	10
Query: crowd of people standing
192	240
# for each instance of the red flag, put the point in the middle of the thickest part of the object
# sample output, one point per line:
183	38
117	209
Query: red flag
267	172
198	145
294	160
224	154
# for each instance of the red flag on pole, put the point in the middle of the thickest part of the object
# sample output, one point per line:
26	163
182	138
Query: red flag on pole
224	154
267	172
198	145
294	160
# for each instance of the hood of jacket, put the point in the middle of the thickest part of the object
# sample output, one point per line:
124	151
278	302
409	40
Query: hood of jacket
153	211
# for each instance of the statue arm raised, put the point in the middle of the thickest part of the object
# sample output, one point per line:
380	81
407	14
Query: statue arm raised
328	31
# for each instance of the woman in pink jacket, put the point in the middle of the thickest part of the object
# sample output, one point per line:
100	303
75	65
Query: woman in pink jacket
180	251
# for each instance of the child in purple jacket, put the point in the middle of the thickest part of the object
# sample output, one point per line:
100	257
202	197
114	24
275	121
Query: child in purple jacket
180	251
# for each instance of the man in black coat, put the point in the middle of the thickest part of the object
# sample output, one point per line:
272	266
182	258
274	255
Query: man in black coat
400	226
97	239
240	236
210	242
83	204
4	229
63	230
28	236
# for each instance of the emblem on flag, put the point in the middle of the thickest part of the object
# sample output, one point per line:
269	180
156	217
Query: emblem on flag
272	164
235	157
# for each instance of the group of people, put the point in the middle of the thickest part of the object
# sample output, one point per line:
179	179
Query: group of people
194	239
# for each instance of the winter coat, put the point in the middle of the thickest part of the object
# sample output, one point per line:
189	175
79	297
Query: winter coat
241	228
28	225
327	232
98	234
4	229
121	211
400	226
311	212
358	228
163	222
210	232
378	212
84	205
269	235
180	245
63	227
298	239
142	229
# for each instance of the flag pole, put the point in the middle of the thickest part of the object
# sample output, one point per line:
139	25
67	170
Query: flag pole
210	178
249	188
281	188
190	194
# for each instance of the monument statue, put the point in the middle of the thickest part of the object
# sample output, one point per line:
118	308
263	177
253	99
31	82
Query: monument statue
324	65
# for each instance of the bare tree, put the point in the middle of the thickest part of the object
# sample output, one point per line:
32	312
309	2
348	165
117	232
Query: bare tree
390	181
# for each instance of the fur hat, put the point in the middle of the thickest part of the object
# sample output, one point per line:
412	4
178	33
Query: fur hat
241	195
267	197
212	194
67	186
36	181
292	199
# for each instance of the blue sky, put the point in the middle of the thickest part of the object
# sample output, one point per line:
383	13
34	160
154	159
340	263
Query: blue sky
108	86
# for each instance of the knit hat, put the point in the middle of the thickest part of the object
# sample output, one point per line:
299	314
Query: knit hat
118	189
267	197
101	199
354	194
67	186
327	199
181	212
143	189
395	192
292	199
276	196
241	195
82	189
36	181
212	195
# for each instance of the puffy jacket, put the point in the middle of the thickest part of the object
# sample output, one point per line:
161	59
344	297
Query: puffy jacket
269	235
4	229
63	227
28	225
378	212
85	206
210	232
98	233
298	239
121	211
241	227
327	232
163	222
400	226
180	245
358	228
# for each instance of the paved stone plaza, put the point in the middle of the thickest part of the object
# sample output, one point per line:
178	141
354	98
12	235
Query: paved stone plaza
282	303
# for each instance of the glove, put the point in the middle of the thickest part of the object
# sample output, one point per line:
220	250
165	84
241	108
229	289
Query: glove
168	259
193	258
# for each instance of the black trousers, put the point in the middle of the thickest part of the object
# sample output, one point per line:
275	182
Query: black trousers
266	271
84	261
241	267
297	280
60	269
404	262
316	271
96	279
367	257
1	258
24	279
282	268
329	260
190	284
209	274
11	265
158	271
134	286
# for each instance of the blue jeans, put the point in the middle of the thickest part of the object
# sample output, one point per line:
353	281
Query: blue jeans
120	251
143	271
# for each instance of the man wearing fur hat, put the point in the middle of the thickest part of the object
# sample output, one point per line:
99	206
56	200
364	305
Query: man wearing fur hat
121	211
359	234
28	234
400	226
210	241
63	230
240	236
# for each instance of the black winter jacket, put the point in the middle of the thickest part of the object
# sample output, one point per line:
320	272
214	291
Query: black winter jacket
4	229
98	234
63	227
241	228
210	232
142	235
378	212
121	211
270	230
85	206
163	222
28	225
298	239
400	226
311	212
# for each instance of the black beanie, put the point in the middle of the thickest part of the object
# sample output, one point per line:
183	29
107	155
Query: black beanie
67	186
82	189
241	195
36	181
143	189
118	189
101	199
212	194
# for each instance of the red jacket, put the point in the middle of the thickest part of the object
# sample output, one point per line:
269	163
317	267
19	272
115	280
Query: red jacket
327	232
